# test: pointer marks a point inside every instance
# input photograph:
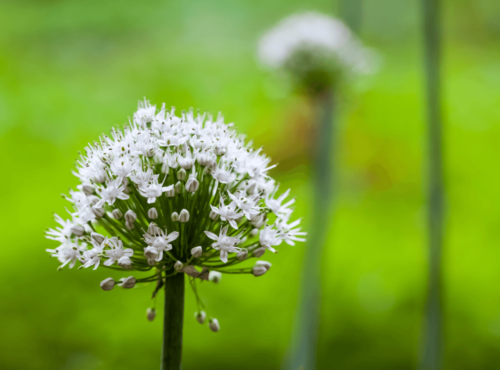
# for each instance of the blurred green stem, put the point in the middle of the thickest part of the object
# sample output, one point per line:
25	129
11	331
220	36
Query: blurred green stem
432	336
172	323
305	336
351	12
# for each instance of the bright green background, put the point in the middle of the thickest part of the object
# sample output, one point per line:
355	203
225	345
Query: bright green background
69	70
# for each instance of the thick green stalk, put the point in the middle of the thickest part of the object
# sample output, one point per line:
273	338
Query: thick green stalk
303	351
173	321
432	335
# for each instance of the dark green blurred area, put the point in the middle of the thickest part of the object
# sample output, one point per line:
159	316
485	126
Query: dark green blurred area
70	70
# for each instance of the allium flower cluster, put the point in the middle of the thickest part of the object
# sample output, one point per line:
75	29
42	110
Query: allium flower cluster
173	194
314	48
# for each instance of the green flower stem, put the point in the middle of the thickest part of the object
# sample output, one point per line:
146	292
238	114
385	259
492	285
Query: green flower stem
303	351
432	331
173	321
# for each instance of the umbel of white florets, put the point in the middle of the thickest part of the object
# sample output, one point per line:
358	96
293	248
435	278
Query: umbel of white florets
173	194
315	49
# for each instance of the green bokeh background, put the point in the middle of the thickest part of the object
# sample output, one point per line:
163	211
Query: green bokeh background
69	70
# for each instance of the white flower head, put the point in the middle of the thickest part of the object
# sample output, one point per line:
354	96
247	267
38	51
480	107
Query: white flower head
210	189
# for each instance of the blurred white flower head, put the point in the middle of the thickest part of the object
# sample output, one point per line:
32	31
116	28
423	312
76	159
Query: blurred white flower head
310	42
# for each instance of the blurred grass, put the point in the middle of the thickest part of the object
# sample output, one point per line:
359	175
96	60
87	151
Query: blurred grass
70	70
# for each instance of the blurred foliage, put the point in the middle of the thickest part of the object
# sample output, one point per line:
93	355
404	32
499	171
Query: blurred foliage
69	70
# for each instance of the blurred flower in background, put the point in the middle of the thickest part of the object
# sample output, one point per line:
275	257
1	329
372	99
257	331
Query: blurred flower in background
315	50
320	55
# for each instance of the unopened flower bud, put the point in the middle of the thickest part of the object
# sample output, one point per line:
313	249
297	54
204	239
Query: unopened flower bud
117	214
254	232
220	150
252	188
130	216
259	252
200	316
196	252
184	216
192	185
242	255
170	193
265	264
125	262
129	226
78	230
93	200
258	270
213	324
107	284
214	216
99	177
178	187
215	277
178	266
98	212
206	159
174	217
151	253
181	174
258	221
128	282
127	190
153	214
88	189
153	229
151	314
97	237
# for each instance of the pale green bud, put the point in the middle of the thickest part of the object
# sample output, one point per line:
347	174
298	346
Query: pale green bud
117	214
265	264
200	316
107	284
242	255
213	324
259	252
215	277
128	282
196	252
258	270
178	266
153	214
130	216
178	187
181	175
184	216
78	230
151	314
192	185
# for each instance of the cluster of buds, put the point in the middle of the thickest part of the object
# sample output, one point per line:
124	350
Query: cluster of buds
174	195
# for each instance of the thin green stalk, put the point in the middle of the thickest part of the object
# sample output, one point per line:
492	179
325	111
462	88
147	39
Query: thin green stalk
432	332
173	321
305	335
